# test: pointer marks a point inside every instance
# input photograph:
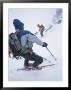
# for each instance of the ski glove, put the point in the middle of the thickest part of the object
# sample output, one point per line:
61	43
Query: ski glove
45	44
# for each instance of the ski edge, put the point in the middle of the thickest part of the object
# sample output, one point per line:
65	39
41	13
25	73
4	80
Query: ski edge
32	69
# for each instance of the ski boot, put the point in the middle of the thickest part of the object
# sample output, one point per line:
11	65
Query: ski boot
28	67
36	68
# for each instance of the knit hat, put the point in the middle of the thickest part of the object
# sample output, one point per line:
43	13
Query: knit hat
18	24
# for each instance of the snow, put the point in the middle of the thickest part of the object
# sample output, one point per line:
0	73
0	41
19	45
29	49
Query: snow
51	73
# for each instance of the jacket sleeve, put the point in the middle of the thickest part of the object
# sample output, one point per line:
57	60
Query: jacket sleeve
24	40
34	39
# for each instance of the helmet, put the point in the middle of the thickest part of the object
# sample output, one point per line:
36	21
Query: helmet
18	24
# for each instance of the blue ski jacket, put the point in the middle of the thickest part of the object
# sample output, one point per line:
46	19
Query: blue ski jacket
27	39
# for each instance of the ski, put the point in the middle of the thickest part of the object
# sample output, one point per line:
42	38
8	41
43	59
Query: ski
48	65
28	69
24	69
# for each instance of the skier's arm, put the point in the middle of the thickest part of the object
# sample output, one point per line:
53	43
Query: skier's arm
35	39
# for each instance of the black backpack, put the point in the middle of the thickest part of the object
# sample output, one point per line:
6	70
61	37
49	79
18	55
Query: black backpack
14	44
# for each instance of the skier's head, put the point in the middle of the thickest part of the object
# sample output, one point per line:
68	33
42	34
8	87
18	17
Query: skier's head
18	25
42	25
38	25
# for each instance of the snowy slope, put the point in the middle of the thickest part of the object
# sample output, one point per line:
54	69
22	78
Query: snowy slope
53	73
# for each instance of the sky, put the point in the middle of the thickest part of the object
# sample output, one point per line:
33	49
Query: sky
30	17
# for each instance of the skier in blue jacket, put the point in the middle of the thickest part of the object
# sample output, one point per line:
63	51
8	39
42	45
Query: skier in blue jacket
27	39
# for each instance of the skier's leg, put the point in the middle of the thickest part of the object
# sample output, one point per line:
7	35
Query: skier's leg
33	57
38	59
26	62
41	33
26	56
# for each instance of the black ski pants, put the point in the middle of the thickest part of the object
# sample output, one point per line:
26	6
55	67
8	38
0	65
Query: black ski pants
33	57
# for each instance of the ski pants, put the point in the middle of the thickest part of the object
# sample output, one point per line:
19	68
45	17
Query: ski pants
41	33
32	57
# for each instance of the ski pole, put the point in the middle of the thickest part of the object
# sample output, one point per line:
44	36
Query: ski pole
46	59
51	53
49	28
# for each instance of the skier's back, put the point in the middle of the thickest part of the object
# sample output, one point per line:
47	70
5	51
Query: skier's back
27	39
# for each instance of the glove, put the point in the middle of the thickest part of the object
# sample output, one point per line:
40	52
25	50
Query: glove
45	44
59	21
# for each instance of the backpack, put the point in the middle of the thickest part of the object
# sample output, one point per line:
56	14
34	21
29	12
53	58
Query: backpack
14	44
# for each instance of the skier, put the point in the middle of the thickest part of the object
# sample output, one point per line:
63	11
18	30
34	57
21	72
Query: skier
41	29
27	39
